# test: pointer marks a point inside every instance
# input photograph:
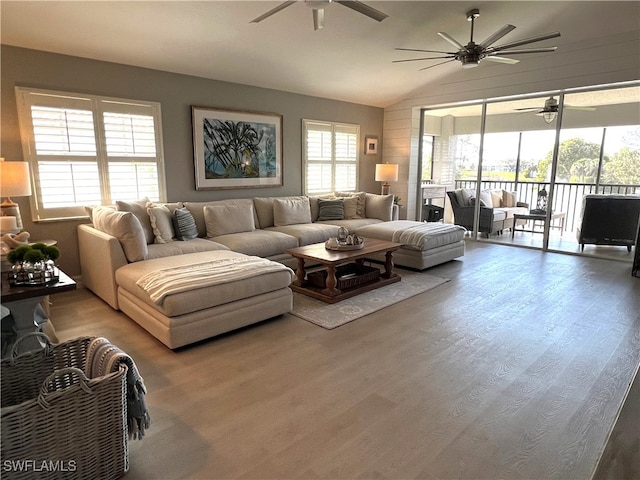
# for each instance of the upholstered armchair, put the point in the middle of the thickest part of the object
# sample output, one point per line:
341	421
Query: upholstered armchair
609	220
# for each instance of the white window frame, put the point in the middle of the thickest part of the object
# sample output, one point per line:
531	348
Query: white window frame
333	127
98	105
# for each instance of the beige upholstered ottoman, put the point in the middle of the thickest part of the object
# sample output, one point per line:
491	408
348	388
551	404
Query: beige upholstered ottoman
424	244
224	290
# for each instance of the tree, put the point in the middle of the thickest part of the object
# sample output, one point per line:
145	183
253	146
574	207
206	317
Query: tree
622	168
570	152
585	170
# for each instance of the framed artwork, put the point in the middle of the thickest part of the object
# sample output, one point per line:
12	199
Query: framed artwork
236	149
370	146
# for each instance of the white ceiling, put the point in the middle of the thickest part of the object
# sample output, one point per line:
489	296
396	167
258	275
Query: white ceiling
350	59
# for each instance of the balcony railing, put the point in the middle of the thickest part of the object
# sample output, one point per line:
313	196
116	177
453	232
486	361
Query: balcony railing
567	198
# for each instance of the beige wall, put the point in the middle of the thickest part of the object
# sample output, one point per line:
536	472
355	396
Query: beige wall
176	94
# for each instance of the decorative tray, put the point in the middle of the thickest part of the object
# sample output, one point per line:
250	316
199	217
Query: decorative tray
343	246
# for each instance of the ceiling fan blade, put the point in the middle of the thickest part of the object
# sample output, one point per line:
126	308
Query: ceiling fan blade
418	59
318	18
363	9
528	109
539	38
451	40
497	36
427	51
441	63
493	58
273	11
527	50
586	109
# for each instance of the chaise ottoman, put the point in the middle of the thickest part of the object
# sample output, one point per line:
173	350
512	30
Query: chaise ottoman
424	244
186	298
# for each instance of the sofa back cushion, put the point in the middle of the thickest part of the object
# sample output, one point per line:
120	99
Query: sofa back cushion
197	210
379	206
126	227
228	218
291	211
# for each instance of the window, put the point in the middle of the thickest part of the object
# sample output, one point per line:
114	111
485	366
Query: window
88	150
330	157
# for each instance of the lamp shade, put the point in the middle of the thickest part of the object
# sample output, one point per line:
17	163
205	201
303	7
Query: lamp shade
14	179
386	172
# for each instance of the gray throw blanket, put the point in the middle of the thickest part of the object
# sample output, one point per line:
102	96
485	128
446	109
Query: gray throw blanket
103	358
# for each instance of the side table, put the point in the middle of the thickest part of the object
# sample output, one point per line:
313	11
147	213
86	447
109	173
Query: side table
24	303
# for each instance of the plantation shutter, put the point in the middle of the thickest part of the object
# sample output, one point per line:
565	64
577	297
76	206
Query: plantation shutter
331	157
88	151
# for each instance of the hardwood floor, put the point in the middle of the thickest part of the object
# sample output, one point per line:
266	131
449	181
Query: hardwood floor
515	369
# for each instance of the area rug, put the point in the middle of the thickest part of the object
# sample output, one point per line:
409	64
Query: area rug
331	316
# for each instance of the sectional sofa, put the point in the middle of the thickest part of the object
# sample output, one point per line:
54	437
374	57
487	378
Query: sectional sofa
140	244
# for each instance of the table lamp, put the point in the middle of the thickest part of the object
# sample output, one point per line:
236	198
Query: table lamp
386	172
14	182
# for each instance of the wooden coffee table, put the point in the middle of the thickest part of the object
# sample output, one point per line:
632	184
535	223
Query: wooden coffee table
324	284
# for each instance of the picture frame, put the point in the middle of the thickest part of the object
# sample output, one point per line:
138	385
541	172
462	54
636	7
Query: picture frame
370	146
236	149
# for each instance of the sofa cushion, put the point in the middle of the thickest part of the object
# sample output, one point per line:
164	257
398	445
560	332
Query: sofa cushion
228	218
379	206
126	227
308	233
263	243
139	209
200	298
195	245
352	224
331	209
291	211
184	224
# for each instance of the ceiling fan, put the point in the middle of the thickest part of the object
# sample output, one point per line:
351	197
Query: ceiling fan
318	7
471	54
550	109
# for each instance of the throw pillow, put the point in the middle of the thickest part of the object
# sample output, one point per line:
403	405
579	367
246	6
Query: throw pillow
362	201
184	224
227	219
126	227
465	196
496	198
331	209
161	223
139	209
350	207
485	196
508	199
291	211
380	207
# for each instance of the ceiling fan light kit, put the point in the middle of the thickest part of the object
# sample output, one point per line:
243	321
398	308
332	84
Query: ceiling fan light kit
471	54
318	7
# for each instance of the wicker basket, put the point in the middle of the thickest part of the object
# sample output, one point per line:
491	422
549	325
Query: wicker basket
347	276
56	422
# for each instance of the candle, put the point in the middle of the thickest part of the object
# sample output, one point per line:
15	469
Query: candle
8	224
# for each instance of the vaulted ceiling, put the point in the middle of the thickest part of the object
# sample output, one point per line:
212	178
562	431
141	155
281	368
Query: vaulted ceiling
350	59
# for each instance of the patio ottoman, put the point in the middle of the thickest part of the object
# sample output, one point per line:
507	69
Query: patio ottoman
208	303
424	244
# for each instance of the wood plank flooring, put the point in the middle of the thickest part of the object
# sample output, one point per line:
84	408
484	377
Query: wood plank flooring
516	369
